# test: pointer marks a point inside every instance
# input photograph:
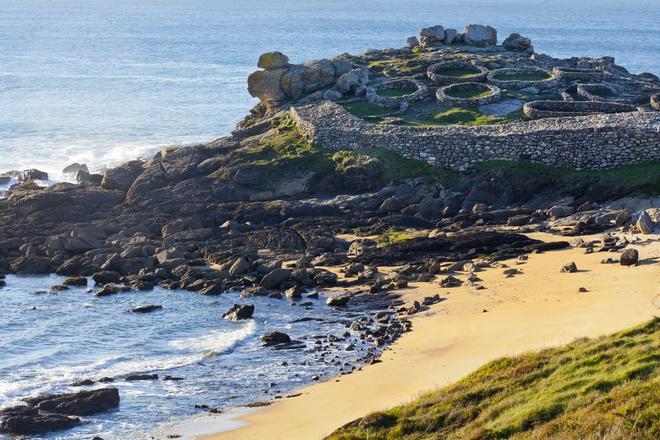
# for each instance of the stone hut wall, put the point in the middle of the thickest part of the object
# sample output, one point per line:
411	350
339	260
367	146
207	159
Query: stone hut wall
586	142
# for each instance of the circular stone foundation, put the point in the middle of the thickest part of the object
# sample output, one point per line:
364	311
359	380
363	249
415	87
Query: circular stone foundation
419	91
596	92
522	78
577	74
468	94
655	101
558	109
452	72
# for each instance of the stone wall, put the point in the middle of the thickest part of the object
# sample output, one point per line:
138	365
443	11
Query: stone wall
586	142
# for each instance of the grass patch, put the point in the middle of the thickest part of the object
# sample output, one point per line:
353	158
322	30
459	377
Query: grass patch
394	92
365	110
458	72
393	236
417	63
461	116
287	149
399	168
640	178
522	77
603	388
468	93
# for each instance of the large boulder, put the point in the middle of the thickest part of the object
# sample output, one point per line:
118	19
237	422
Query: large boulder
644	223
432	36
479	35
239	312
275	338
24	420
33	174
82	403
412	42
122	177
629	257
308	78
274	278
354	82
273	60
517	42
265	85
450	35
559	211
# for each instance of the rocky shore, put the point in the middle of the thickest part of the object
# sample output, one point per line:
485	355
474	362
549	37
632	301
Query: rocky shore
267	213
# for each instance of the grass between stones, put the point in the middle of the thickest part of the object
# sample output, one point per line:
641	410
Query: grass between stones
417	63
393	236
523	77
468	93
458	72
632	179
286	151
401	91
365	110
601	388
461	116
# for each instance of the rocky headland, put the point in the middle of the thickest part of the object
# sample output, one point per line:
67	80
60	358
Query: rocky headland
295	201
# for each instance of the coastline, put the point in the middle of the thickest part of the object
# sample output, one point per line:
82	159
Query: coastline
537	309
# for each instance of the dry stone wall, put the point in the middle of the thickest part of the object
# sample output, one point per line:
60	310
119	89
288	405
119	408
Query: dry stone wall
585	142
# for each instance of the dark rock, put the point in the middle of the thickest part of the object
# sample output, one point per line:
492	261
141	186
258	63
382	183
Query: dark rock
82	383
338	300
76	281
274	278
294	292
106	277
23	420
82	403
450	281
136	377
112	289
239	311
275	338
629	257
147	308
569	268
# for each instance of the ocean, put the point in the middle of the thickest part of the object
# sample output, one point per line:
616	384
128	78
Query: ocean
103	81
50	340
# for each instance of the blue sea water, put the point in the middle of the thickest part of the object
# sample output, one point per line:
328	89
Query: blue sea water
101	81
49	340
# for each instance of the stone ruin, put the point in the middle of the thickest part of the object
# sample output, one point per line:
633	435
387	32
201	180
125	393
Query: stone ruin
509	76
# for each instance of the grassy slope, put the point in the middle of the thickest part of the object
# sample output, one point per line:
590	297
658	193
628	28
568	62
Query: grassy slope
287	151
636	179
607	388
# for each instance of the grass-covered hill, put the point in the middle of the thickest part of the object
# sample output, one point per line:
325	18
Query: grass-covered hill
606	388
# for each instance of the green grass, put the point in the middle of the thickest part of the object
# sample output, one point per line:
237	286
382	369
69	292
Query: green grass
365	110
468	93
640	179
458	72
606	388
399	168
287	150
417	63
400	91
392	236
523	77
461	116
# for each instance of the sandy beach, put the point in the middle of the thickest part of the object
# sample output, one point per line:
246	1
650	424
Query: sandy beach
538	308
